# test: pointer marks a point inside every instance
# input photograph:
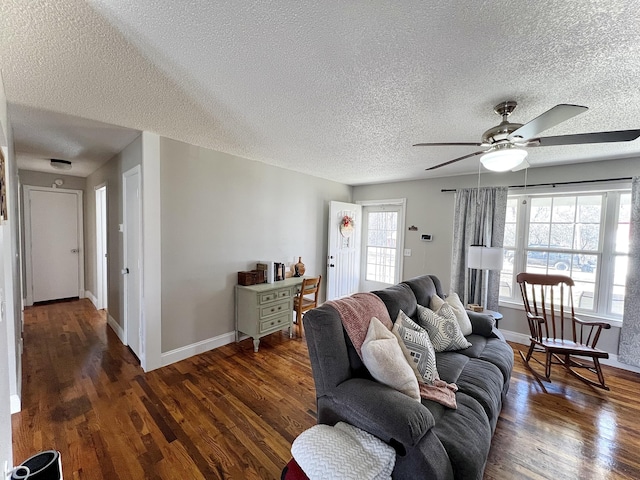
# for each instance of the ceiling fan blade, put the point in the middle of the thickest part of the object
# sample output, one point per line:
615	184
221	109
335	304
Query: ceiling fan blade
596	137
456	160
548	119
447	144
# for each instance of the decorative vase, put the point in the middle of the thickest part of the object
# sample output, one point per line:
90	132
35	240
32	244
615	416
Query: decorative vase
299	268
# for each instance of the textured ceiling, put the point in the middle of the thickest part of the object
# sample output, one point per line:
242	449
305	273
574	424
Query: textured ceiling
336	89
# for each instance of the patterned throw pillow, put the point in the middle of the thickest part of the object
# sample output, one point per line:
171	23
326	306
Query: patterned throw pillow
456	305
386	362
443	328
417	348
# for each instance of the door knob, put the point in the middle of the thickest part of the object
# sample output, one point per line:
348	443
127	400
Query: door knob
74	250
125	271
331	265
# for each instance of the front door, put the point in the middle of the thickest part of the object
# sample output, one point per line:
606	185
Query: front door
54	244
343	257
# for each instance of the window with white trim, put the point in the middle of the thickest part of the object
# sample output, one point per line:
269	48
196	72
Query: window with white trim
584	235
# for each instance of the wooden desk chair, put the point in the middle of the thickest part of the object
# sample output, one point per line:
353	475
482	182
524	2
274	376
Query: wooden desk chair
556	331
307	297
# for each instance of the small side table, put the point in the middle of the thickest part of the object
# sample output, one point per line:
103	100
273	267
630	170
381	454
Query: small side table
497	316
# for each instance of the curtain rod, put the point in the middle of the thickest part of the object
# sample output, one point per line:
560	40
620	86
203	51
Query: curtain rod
554	184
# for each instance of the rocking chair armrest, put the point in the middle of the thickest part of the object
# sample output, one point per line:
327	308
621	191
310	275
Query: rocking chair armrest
587	323
537	318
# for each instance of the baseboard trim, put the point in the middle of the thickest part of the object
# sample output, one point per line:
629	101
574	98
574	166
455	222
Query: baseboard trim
612	361
118	330
91	297
187	351
15	404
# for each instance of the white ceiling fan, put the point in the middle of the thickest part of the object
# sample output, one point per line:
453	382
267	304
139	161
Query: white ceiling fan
506	143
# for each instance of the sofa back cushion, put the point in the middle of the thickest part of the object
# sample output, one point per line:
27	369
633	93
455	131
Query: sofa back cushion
396	298
423	288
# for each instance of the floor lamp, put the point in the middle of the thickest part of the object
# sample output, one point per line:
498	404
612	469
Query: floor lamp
484	259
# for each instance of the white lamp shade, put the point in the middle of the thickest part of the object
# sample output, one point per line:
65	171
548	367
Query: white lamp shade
503	159
485	258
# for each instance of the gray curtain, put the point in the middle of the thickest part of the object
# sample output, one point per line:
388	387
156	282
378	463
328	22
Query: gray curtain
479	219
629	349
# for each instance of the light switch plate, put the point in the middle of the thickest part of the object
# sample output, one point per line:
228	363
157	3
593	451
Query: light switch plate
407	252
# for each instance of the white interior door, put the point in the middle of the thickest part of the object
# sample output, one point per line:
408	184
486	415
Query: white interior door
54	244
132	259
343	257
101	247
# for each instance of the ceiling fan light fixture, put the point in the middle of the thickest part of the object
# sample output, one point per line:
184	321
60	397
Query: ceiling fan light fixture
60	164
503	159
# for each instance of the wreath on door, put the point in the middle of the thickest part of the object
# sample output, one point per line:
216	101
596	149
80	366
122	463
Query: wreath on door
346	226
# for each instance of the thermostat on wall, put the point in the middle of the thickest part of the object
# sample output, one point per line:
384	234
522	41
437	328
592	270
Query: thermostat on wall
427	237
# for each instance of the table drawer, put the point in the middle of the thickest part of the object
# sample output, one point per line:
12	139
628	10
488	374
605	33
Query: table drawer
272	295
275	323
275	308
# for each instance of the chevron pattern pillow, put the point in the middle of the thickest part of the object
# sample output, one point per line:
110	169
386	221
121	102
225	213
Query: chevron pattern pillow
443	328
417	348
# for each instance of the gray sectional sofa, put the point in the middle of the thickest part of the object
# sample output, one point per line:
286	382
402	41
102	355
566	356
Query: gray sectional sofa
431	441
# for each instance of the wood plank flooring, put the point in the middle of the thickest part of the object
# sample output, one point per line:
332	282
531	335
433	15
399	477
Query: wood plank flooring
232	413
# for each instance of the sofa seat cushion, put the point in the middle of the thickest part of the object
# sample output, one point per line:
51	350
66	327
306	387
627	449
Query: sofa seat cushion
483	381
465	434
492	350
450	365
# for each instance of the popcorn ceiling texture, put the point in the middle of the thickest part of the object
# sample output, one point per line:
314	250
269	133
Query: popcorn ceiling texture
339	90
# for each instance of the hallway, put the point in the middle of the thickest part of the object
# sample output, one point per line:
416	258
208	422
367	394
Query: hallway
228	413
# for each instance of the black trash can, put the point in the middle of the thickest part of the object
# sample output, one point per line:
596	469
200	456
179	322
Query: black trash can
42	466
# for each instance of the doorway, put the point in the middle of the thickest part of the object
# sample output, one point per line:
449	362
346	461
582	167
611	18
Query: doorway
132	257
101	247
382	244
53	244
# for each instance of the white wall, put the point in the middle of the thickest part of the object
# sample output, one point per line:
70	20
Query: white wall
111	174
432	212
220	215
8	345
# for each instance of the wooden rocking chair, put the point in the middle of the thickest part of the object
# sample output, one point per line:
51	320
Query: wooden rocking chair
548	302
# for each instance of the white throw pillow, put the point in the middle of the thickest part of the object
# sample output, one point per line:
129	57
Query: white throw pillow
417	348
443	328
453	300
384	359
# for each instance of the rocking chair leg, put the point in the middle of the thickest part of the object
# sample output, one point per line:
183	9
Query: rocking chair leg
530	352
535	374
596	363
547	370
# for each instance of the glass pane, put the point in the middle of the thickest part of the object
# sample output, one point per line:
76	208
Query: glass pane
617	301
624	218
539	235
540	210
587	236
564	209
536	262
512	210
625	208
510	235
583	295
589	209
622	238
381	263
620	270
561	235
382	229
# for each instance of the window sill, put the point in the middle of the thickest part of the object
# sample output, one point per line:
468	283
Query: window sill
615	322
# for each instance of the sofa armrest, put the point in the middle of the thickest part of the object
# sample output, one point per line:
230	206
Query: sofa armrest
382	411
481	324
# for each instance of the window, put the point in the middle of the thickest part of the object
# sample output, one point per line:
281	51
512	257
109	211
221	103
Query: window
583	235
381	244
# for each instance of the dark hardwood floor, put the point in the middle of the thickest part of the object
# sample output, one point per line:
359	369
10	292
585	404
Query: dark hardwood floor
232	413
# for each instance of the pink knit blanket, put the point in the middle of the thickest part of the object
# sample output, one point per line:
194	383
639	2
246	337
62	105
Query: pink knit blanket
356	312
